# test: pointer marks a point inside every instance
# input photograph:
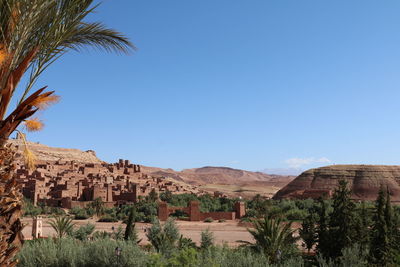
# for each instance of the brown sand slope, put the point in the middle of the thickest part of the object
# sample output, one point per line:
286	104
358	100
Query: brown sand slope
221	175
364	181
47	153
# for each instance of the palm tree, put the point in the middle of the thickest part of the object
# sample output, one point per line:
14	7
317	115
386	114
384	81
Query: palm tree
62	225
98	206
34	34
272	237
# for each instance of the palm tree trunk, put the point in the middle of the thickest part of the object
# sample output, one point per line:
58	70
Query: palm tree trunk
10	209
10	191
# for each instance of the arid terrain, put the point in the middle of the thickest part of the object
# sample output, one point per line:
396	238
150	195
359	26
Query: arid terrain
232	182
228	181
364	182
225	232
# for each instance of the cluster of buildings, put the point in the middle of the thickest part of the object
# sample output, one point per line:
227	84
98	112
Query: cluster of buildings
68	184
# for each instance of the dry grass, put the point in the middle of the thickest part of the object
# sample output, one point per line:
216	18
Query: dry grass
34	125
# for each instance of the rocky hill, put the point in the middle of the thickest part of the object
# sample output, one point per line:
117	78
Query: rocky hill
364	181
47	153
237	180
220	175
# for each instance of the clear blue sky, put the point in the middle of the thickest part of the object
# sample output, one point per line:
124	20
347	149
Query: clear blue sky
246	84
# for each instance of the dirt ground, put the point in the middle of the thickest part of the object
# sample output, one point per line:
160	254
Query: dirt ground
225	232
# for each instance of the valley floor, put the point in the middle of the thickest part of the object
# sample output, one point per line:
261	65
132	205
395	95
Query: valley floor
225	232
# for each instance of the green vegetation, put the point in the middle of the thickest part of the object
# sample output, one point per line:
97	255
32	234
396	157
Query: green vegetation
334	232
130	230
207	239
62	225
208	220
164	238
274	239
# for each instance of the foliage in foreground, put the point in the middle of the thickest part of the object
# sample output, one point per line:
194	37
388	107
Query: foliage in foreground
71	252
273	238
101	253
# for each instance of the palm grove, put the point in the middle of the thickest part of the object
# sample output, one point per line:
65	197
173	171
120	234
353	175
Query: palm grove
34	34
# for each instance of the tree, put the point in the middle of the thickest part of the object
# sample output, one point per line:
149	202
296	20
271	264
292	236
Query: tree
84	232
33	35
207	239
130	231
163	238
363	223
341	223
62	225
323	238
167	196
153	196
383	243
185	242
308	231
272	237
98	206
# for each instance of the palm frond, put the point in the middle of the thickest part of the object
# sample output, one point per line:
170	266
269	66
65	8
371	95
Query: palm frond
49	29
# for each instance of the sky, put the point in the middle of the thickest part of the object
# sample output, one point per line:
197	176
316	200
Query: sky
261	84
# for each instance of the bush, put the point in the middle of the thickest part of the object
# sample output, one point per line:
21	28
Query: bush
101	253
29	209
207	239
245	219
163	238
221	220
296	215
108	218
81	215
84	231
179	214
69	252
208	220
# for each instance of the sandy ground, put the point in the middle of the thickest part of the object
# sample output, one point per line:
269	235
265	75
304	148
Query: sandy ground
226	232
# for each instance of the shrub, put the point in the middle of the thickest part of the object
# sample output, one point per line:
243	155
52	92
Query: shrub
296	215
207	239
208	220
84	231
108	218
185	242
245	219
185	257
81	215
163	238
68	252
29	209
101	253
56	211
179	214
221	220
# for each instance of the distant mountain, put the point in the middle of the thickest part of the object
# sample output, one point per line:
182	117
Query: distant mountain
283	171
221	175
224	177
